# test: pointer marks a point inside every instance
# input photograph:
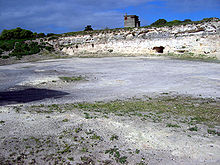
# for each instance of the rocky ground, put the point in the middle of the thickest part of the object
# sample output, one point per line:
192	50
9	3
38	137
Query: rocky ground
118	110
161	130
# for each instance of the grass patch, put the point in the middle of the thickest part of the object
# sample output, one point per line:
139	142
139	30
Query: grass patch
200	110
213	132
116	154
65	120
137	151
114	137
87	116
193	128
66	149
195	110
71	79
172	125
84	149
191	56
77	130
2	122
95	137
70	158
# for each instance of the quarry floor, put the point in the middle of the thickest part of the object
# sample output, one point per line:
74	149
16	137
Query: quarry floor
109	79
36	129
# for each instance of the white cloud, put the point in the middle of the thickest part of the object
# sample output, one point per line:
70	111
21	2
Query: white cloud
70	15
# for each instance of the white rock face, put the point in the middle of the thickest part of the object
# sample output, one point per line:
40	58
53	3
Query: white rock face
198	39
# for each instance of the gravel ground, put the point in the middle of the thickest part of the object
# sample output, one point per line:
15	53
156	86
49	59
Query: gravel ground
111	78
45	117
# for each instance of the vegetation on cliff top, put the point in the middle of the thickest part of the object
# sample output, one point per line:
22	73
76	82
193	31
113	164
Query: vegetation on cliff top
158	23
163	22
18	42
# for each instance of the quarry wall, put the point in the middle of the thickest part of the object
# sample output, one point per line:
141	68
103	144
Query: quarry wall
197	39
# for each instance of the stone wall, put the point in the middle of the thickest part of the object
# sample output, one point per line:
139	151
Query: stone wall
131	21
196	39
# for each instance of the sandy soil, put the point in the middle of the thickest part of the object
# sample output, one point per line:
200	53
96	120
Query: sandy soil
44	135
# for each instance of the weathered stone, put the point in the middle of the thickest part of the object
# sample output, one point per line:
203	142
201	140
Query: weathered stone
202	38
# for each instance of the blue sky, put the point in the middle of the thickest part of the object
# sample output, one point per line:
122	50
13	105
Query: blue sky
60	16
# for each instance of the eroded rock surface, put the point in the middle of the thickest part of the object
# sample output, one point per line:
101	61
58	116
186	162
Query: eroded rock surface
197	39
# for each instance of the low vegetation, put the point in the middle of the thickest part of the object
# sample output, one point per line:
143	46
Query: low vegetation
191	110
193	128
20	42
88	28
213	132
71	79
114	152
163	22
190	56
173	125
17	33
78	142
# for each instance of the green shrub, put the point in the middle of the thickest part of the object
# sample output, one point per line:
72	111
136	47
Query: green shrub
17	33
50	34
7	45
49	48
163	22
38	35
193	128
41	35
22	48
159	22
42	44
1	51
209	19
88	28
187	20
14	40
19	48
173	125
174	22
4	57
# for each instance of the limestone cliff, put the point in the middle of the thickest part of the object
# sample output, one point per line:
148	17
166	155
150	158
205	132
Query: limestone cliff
198	39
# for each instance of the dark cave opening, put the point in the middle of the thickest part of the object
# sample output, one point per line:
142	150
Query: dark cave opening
159	49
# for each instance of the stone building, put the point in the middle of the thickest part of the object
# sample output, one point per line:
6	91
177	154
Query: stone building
131	21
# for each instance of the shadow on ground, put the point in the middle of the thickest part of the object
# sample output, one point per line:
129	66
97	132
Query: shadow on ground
28	95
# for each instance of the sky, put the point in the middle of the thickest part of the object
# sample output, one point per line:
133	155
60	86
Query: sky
60	16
